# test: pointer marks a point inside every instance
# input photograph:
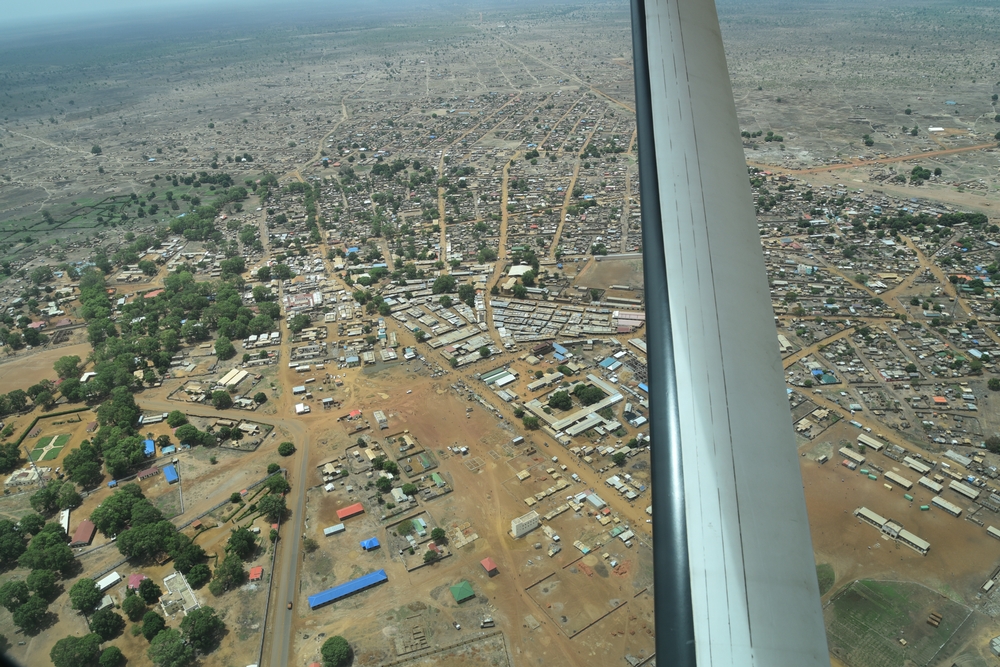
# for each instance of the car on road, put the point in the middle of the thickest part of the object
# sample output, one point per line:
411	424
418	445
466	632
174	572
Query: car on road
289	605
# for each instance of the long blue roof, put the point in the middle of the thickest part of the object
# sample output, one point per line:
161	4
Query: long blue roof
350	588
369	544
170	473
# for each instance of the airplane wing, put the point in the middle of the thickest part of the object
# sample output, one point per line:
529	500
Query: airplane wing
735	578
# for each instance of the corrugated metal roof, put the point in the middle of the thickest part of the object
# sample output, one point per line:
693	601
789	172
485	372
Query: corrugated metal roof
351	510
350	588
462	591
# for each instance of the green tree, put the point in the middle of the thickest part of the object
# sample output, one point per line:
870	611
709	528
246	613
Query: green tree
442	284
383	484
530	422
273	468
43	583
107	624
31	524
224	348
13	594
561	400
484	351
48	551
438	535
32	616
152	624
298	322
134	607
272	507
242	543
260	398
229	574
149	591
520	291
619	459
75	651
199	575
167	649
277	484
286	449
993	444
176	418
410	489
221	400
84	595
45	501
336	652
430	556
203	629
112	657
993	384
67	367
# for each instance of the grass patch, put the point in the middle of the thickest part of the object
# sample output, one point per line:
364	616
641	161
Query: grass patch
865	620
61	440
36	454
169	503
826	576
52	453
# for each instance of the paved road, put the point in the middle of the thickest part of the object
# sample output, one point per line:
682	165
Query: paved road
288	556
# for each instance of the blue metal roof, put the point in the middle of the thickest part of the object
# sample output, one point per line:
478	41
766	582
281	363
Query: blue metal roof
370	543
170	473
559	348
644	387
150	447
607	362
350	588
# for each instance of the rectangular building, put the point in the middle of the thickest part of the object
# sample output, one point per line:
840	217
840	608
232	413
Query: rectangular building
333	530
108	581
993	532
930	484
381	419
914	464
898	479
917	544
351	510
852	455
84	534
868	441
869	517
350	588
938	501
170	473
523	525
966	491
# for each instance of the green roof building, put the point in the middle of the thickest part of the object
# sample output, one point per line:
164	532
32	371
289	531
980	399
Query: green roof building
462	591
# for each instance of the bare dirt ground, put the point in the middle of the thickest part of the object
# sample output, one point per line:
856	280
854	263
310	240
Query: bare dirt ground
612	271
436	416
28	368
961	556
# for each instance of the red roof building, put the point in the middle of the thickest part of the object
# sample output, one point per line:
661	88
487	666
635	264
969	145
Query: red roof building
135	579
84	534
489	566
352	510
256	573
152	295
